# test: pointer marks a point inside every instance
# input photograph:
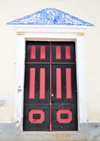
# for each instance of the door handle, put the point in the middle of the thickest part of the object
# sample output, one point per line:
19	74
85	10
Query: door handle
52	98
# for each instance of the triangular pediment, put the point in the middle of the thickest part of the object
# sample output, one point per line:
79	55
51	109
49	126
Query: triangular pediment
49	16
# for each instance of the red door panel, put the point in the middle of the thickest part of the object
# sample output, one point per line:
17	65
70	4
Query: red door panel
32	84
58	84
42	84
33	52
58	52
42	52
36	117
67	83
64	119
63	52
41	93
33	112
37	52
68	52
64	123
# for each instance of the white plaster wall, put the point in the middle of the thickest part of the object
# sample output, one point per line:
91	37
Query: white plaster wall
87	10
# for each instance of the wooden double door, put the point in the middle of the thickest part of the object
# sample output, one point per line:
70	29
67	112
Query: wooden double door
50	94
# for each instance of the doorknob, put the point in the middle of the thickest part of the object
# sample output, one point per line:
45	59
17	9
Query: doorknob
52	98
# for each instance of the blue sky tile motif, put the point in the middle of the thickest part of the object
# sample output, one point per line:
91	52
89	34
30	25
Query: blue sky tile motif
50	16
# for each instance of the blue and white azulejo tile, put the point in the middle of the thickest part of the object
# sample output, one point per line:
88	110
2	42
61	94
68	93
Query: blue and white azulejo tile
49	16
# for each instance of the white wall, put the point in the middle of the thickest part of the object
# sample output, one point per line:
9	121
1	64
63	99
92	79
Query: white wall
87	10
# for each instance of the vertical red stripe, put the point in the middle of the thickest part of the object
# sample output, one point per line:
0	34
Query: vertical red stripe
58	83
68	52
58	52
68	84
42	83
42	52
33	52
32	84
50	89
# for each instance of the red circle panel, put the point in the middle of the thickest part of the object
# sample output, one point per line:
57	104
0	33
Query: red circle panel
36	111
66	120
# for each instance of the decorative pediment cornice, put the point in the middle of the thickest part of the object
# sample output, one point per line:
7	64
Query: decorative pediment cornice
50	16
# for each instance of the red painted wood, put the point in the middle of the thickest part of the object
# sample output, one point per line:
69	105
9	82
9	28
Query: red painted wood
68	52
66	120
42	52
33	52
68	84
36	111
32	84
58	52
42	83
50	91
50	117
58	83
